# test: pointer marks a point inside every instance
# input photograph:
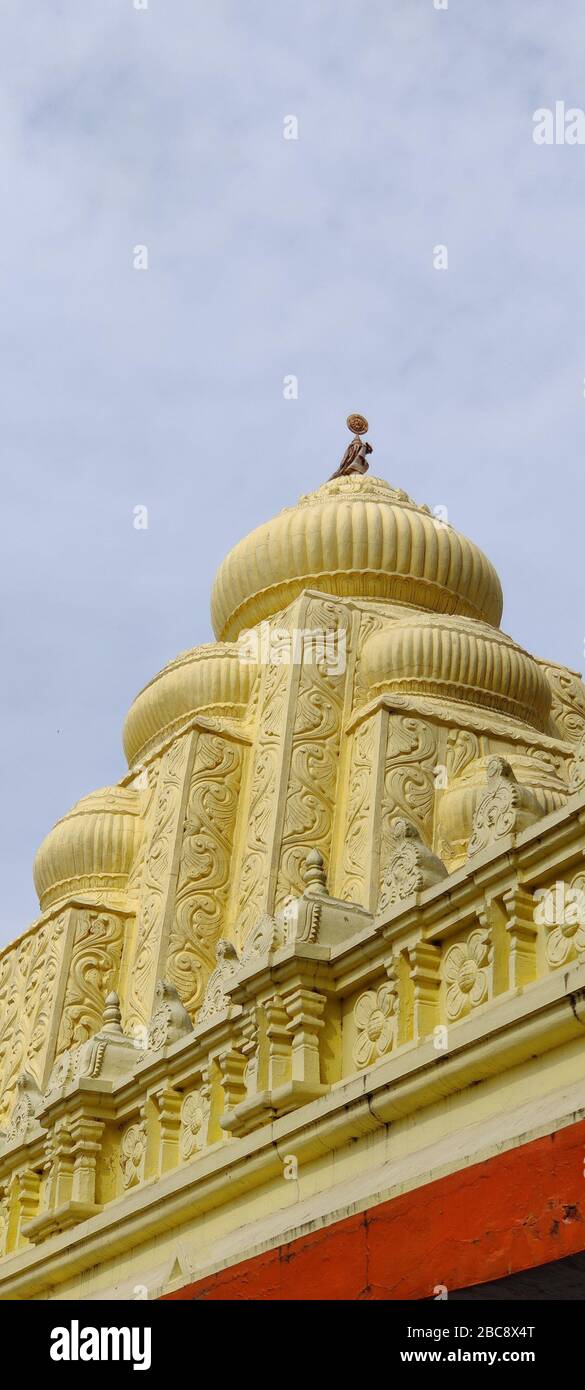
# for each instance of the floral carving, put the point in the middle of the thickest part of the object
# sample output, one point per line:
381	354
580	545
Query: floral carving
566	941
170	1020
412	866
132	1153
375	1020
466	974
24	1110
194	1118
216	1000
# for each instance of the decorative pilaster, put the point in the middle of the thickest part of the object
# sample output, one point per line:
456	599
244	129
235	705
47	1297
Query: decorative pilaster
232	1065
409	787
94	965
32	979
26	1200
305	1009
205	865
58	1167
250	1048
359	879
295	757
279	1043
425	960
168	1104
157	894
86	1135
522	933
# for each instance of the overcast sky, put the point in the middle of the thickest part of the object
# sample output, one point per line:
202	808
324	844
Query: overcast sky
267	257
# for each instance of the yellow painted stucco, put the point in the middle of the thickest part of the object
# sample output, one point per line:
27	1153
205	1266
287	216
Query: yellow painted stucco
324	941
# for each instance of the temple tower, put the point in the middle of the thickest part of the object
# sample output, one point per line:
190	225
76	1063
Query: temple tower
317	962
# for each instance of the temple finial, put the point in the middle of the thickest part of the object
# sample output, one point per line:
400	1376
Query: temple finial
314	872
112	1018
355	457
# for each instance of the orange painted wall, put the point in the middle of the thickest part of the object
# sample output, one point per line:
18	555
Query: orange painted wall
513	1212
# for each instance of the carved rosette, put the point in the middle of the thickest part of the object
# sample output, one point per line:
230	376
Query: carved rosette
566	940
194	1120
375	1021
466	973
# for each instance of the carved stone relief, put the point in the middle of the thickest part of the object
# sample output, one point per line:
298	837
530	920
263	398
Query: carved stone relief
204	866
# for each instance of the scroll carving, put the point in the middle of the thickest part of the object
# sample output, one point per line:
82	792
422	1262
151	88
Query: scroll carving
506	808
263	795
576	769
360	791
314	757
411	758
411	868
93	972
568	702
28	976
204	867
155	886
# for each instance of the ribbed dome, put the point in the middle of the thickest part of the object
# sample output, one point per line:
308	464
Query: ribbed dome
212	677
358	536
457	659
92	847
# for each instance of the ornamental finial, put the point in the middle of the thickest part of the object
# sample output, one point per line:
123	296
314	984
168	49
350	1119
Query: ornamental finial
355	457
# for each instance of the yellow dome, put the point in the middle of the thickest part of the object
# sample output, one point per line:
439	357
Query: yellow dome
92	847
457	659
210	678
355	535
